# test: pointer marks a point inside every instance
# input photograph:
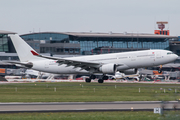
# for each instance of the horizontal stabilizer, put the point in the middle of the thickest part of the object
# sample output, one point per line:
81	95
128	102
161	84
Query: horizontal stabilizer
28	65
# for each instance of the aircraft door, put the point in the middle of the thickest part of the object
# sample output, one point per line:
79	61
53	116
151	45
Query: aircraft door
133	57
46	65
158	55
152	58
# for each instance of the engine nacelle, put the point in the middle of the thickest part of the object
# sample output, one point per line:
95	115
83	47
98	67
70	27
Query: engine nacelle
108	68
130	71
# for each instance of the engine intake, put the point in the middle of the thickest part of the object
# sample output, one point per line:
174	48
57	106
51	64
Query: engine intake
108	68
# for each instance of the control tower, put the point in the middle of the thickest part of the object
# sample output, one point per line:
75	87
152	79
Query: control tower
161	26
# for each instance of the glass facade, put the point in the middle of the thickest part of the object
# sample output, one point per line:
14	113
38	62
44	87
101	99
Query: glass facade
60	48
4	43
6	47
88	43
2	57
52	37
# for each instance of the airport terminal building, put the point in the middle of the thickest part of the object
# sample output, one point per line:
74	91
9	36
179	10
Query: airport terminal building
94	43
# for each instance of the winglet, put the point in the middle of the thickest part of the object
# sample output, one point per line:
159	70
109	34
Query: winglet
34	53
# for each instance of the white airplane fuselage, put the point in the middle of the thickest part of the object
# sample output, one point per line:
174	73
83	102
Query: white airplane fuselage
128	60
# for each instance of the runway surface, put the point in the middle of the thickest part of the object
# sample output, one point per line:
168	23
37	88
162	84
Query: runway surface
87	106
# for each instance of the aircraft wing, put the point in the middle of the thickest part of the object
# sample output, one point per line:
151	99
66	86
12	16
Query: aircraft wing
76	63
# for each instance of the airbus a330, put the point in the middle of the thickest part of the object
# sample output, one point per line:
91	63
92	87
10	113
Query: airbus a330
125	62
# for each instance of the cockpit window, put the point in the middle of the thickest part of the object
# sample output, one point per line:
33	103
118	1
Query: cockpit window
170	53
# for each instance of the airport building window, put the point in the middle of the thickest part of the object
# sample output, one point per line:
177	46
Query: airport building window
1	50
61	50
46	36
54	50
76	51
42	50
66	50
47	49
36	46
9	58
4	43
71	51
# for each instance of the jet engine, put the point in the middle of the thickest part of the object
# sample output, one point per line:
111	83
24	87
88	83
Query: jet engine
130	71
108	68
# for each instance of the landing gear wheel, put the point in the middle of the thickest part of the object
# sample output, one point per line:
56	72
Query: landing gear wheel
88	80
100	81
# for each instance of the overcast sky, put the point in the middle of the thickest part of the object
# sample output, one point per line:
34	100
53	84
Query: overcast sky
24	16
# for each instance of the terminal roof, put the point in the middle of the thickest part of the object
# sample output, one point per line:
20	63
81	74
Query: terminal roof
110	34
6	32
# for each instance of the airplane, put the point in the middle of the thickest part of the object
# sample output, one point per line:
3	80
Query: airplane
119	75
43	75
38	74
125	62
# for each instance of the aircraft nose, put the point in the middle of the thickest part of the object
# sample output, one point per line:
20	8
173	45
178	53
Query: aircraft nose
176	56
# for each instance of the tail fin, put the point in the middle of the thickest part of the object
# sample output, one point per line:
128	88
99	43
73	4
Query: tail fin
23	50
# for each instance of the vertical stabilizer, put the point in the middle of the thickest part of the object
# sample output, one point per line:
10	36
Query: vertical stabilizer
23	49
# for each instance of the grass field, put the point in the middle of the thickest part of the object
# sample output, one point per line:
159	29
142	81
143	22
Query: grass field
169	115
83	92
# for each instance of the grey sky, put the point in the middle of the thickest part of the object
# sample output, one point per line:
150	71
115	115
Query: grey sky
23	16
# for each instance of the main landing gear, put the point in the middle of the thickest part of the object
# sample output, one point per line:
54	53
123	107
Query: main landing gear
101	80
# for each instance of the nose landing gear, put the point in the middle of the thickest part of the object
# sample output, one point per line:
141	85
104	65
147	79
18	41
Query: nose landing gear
160	69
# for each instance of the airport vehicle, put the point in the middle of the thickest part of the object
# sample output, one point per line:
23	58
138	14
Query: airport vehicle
126	62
